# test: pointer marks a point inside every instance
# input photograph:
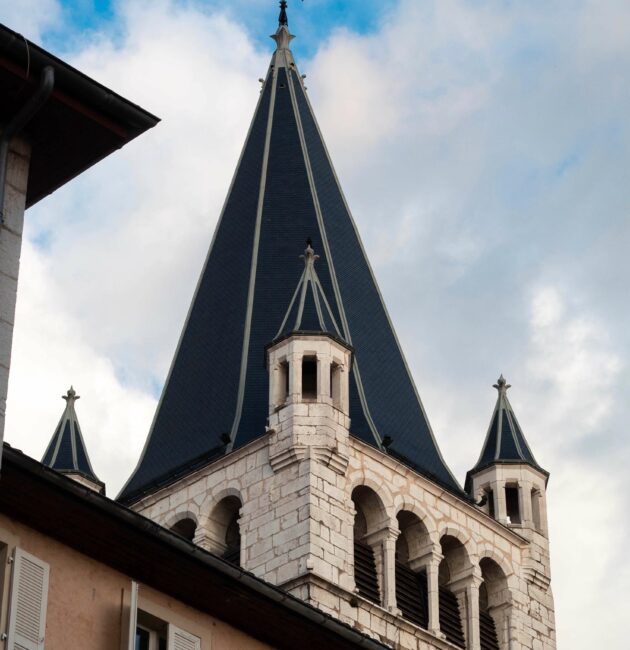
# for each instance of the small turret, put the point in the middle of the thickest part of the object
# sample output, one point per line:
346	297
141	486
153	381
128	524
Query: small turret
66	451
308	363
507	480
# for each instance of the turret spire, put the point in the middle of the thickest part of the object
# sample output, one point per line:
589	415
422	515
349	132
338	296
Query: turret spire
283	36
505	442
309	309
66	451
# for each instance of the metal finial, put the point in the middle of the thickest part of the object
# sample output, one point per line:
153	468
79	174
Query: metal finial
283	20
309	256
502	384
71	395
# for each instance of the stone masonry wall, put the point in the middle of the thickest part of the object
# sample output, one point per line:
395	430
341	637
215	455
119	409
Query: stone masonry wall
10	248
296	527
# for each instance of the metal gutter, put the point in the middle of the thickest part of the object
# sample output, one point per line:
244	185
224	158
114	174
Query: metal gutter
19	121
28	56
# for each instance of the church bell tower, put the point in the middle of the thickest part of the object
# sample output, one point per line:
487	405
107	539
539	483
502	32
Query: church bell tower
290	438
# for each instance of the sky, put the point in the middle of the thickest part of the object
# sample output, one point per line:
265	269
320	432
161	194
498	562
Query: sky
484	148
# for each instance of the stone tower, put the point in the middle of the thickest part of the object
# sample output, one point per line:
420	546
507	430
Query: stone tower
290	438
511	487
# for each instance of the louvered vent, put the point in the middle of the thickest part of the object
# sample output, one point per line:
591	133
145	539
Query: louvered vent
182	640
29	597
450	619
365	572
233	555
488	632
411	594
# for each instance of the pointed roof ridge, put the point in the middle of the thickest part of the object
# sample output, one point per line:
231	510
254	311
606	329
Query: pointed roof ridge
66	451
309	311
504	442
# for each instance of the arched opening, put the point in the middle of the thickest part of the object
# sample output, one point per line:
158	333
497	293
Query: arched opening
512	504
452	568
185	528
369	518
309	378
494	596
224	524
412	547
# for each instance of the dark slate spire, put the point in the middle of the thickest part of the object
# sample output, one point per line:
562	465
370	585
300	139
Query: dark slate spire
505	442
66	451
284	190
309	311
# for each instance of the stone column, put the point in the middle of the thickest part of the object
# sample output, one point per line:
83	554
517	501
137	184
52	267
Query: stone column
323	379
383	542
500	507
525	503
344	390
10	249
428	560
466	588
295	379
501	615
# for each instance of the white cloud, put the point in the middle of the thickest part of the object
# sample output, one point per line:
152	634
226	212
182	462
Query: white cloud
125	242
52	350
31	17
484	149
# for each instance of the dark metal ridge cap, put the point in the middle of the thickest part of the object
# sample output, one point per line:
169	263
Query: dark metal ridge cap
149	528
70	80
214	454
173	475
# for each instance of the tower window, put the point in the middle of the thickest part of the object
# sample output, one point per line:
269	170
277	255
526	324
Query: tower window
309	378
284	382
512	504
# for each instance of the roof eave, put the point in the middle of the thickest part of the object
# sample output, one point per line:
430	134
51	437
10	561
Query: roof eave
90	512
79	95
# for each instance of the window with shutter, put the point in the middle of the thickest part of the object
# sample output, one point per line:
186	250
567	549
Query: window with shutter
27	603
181	640
365	572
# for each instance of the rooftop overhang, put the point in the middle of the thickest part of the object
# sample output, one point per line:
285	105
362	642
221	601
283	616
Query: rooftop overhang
104	530
81	123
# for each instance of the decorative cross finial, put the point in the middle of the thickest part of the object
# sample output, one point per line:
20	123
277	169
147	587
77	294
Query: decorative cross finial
71	396
309	256
502	385
283	20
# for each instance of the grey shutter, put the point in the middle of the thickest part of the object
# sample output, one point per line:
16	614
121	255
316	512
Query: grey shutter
181	640
27	604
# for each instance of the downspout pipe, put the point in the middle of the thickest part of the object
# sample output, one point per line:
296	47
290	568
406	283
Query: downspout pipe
19	121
